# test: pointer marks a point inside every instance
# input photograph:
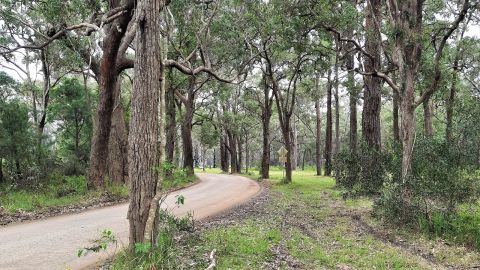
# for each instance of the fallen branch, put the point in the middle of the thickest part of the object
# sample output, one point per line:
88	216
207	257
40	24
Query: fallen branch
213	263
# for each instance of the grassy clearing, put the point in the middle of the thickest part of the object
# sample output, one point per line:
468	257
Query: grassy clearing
304	225
307	225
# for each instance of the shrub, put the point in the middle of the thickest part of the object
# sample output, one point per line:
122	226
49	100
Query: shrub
429	199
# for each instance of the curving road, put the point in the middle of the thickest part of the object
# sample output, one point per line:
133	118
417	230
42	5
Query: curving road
52	243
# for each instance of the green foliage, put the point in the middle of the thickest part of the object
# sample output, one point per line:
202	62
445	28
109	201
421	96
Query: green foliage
101	244
71	112
361	173
438	185
164	253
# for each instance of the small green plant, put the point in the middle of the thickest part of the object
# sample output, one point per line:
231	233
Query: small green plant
101	244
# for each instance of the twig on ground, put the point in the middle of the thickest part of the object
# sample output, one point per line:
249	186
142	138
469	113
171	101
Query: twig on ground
213	261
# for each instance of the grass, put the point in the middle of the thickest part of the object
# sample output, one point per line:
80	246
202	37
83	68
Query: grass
305	224
72	190
312	226
63	191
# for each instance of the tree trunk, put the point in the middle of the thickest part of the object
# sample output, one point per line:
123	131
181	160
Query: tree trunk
107	76
453	88
286	132
240	155
266	146
118	142
171	128
396	128
408	124
144	124
337	107
294	134
46	92
232	149
427	118
372	92
318	141
328	130
247	154
224	153
187	143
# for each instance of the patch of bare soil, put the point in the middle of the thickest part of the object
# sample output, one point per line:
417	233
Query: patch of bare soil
22	216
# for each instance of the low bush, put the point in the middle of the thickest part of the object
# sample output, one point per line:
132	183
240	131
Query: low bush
433	197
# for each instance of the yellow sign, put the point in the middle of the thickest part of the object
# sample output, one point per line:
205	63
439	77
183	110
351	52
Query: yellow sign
282	159
282	152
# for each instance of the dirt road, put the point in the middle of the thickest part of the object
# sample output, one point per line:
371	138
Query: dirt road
53	243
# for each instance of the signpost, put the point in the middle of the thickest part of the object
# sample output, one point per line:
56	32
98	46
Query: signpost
282	158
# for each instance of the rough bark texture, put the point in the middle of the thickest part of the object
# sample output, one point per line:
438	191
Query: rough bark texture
372	93
395	118
107	76
353	96
294	134
328	129
427	118
337	107
266	117
187	142
408	19
118	142
144	125
266	145
171	127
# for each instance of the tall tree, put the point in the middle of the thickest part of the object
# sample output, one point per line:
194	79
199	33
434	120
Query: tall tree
328	128
372	60
144	124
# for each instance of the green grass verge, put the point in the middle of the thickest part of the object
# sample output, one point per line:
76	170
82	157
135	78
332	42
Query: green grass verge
306	224
72	190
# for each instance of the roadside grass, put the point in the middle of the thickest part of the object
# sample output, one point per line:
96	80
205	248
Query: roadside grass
63	191
72	190
307	225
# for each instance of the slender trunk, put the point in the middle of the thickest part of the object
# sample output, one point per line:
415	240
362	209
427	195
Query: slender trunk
266	146
427	118
337	107
318	141
46	92
328	131
408	124
187	143
288	145
240	155
453	88
232	149
303	159
214	158
372	92
224	153
171	127
396	127
247	153
294	134
144	124
118	142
